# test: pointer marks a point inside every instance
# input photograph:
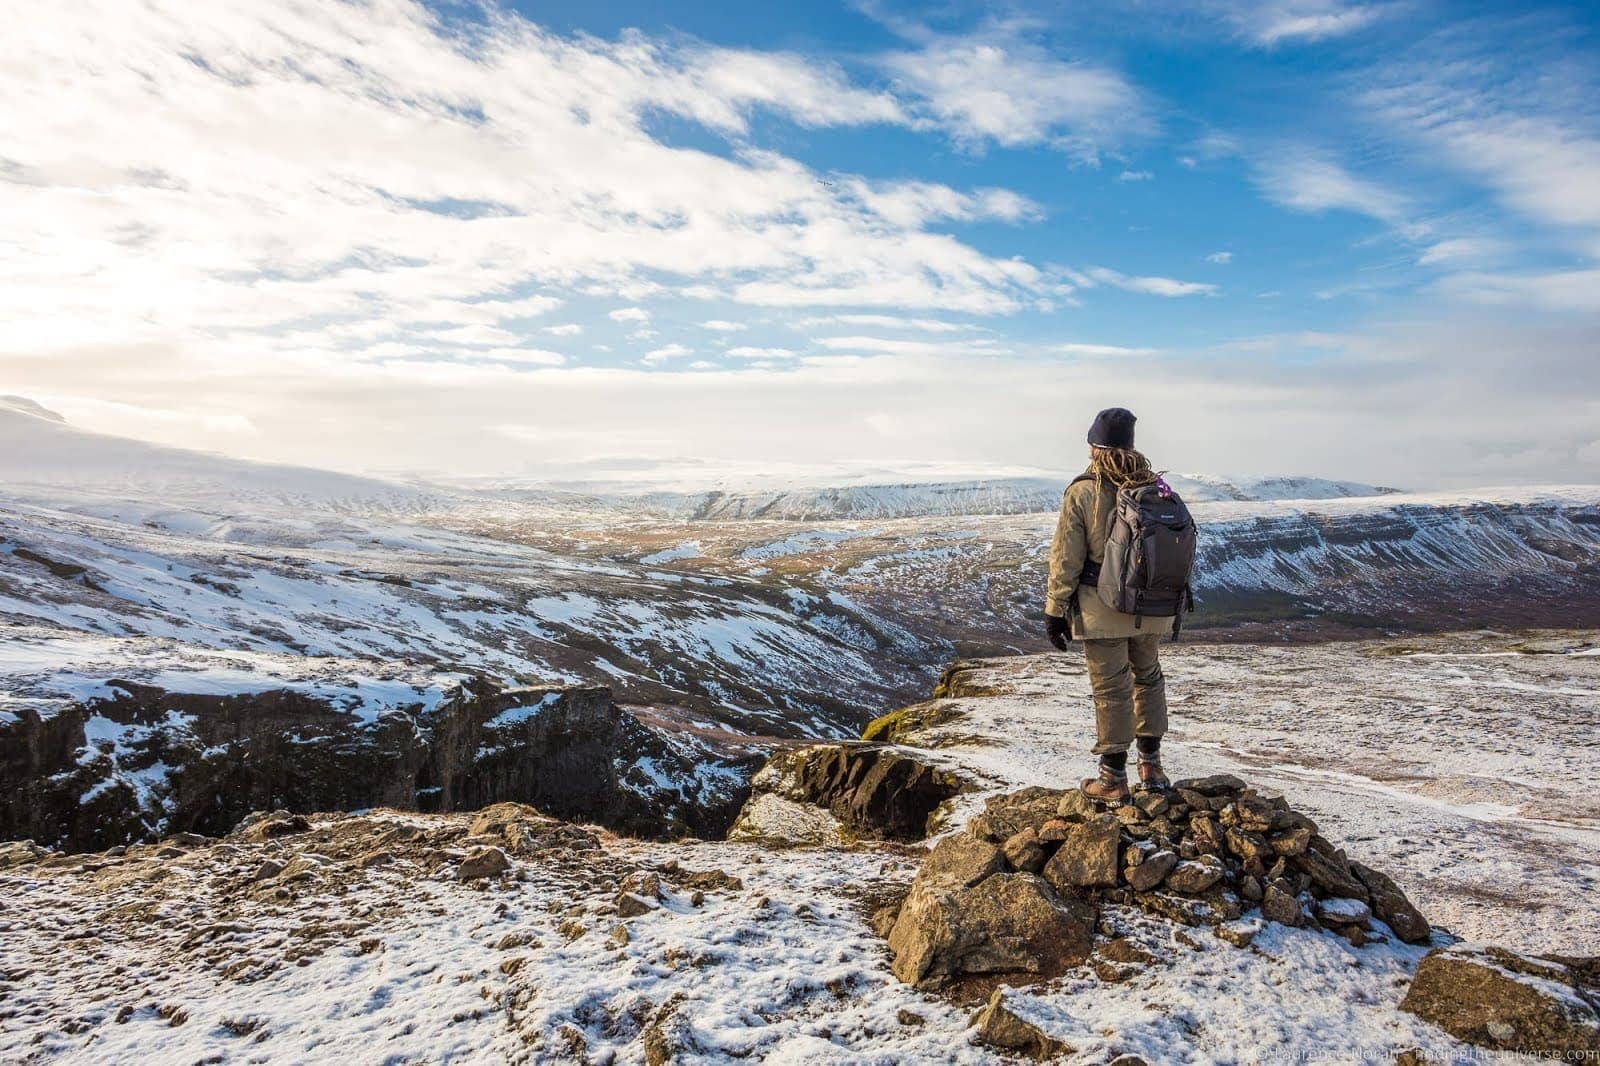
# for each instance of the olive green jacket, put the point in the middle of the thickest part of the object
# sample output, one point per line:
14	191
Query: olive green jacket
1081	537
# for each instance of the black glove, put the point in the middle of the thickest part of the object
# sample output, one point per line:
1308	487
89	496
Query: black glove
1058	631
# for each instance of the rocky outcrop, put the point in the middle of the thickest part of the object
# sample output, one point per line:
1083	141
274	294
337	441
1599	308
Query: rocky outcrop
830	793
147	761
1495	998
1018	890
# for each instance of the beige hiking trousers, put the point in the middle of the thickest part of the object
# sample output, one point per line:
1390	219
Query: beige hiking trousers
1130	694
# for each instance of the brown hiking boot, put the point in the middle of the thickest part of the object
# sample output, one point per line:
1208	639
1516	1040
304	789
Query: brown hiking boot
1152	778
1110	787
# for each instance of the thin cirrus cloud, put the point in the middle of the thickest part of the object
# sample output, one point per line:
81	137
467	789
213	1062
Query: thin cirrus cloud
1273	23
1148	285
1305	180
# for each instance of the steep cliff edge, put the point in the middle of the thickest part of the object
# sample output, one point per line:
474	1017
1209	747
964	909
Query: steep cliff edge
139	760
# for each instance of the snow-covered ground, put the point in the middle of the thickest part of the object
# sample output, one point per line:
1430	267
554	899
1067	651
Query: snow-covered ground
1463	765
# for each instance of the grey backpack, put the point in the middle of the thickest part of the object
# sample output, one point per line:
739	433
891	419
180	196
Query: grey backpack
1149	556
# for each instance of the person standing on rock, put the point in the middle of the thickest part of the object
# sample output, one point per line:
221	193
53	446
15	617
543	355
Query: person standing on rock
1120	647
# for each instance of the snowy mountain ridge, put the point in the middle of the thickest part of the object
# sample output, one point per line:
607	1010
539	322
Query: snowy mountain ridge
44	458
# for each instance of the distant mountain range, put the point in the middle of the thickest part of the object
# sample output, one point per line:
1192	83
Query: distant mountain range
43	457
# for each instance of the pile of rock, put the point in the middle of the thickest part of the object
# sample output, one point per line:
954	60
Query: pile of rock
1018	890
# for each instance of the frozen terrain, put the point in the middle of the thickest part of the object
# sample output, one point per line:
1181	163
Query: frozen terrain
798	628
1461	764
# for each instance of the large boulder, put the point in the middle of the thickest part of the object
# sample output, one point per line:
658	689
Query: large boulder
1006	923
1495	998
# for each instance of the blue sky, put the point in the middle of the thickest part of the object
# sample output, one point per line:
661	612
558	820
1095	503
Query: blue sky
1300	236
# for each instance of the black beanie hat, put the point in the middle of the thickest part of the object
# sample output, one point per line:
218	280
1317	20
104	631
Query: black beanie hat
1113	428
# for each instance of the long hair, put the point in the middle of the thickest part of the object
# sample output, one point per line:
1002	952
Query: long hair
1123	467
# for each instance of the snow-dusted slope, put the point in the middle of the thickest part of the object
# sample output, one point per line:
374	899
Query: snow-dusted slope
42	457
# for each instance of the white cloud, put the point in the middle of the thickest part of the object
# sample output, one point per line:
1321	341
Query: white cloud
750	352
629	314
485	335
1152	286
905	346
1513	128
533	356
914	204
722	325
566	329
924	325
1097	350
312	181
1004	91
1304	181
1220	258
1429	404
657	356
1135	175
1274	22
1462	250
1566	290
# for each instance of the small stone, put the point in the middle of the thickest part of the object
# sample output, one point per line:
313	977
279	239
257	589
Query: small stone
1130	816
1000	1026
632	905
1194	876
268	869
1075	804
1250	813
375	858
512	966
1252	889
1150	873
1023	852
1293	841
1279	906
1239	932
483	862
1205	835
645	883
618	937
961	860
1088	856
517	939
265	826
1152	804
1251	847
1215	785
1055	830
1392	907
910	1018
1340	911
